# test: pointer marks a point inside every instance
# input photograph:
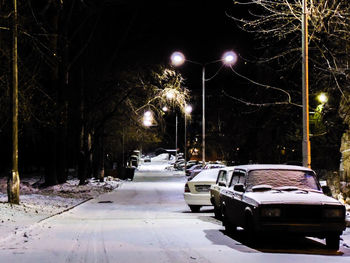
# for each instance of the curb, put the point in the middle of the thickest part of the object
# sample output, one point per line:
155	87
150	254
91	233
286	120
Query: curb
65	210
30	226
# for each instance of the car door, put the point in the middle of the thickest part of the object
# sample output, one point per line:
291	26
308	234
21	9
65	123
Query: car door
229	196
215	189
238	205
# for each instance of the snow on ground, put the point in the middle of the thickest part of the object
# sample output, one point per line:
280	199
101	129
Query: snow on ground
154	166
37	203
160	162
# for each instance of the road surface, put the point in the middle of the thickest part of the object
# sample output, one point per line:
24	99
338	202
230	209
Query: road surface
147	220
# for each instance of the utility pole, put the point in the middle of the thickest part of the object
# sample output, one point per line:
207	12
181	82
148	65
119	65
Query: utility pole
176	137
305	75
13	180
203	115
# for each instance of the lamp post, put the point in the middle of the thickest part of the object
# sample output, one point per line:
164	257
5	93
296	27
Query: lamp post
177	59
188	110
305	88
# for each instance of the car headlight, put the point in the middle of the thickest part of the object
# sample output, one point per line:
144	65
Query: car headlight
333	212
270	212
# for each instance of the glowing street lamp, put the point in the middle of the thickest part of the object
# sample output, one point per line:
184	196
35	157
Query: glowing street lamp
148	119
177	58
322	98
170	95
188	109
229	58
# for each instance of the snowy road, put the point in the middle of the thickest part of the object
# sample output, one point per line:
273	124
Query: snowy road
147	220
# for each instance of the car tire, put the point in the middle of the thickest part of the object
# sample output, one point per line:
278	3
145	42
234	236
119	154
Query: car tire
250	229
195	208
332	241
229	228
217	213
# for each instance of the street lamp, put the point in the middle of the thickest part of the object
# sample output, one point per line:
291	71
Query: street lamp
147	118
322	98
188	110
229	58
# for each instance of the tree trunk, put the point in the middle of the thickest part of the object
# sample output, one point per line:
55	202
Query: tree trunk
13	180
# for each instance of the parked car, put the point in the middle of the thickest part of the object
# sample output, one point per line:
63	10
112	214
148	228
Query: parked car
267	199
190	169
223	180
196	192
196	171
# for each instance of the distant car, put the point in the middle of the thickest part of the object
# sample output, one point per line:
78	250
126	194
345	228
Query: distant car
190	169
196	192
196	171
147	159
267	199
134	161
223	180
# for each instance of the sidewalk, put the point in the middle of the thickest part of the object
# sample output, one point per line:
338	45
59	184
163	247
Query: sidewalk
38	204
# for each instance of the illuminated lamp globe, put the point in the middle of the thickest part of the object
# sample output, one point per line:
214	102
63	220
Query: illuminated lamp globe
188	109
322	98
177	58
229	58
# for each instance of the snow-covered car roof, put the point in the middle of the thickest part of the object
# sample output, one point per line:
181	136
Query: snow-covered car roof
228	168
207	175
251	167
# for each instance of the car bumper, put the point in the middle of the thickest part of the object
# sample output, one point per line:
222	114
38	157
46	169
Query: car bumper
197	199
318	229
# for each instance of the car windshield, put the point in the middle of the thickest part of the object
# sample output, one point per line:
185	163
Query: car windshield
282	178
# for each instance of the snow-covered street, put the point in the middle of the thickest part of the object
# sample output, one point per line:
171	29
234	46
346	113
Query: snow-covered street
147	220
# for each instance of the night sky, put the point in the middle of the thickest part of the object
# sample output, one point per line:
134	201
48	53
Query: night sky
149	31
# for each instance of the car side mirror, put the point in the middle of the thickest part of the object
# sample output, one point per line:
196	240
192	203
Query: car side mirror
239	188
222	183
326	190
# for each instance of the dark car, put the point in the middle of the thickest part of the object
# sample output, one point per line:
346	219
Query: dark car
222	180
276	199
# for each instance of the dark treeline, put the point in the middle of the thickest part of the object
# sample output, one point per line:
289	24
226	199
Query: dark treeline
79	95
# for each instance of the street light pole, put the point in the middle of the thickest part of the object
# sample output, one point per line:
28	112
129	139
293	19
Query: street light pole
306	148
176	138
203	115
188	110
177	59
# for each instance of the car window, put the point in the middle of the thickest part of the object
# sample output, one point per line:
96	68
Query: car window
229	176
235	177
222	176
219	177
280	178
242	178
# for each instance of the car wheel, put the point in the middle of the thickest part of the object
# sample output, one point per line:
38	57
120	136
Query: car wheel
195	208
249	228
217	213
229	228
332	241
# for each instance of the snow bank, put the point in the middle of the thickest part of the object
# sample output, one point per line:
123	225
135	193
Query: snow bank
160	158
39	203
153	167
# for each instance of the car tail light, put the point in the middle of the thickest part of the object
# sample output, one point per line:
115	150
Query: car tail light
187	189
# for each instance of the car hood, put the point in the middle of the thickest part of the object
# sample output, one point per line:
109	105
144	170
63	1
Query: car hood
293	197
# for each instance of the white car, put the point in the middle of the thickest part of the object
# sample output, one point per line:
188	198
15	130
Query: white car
196	192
